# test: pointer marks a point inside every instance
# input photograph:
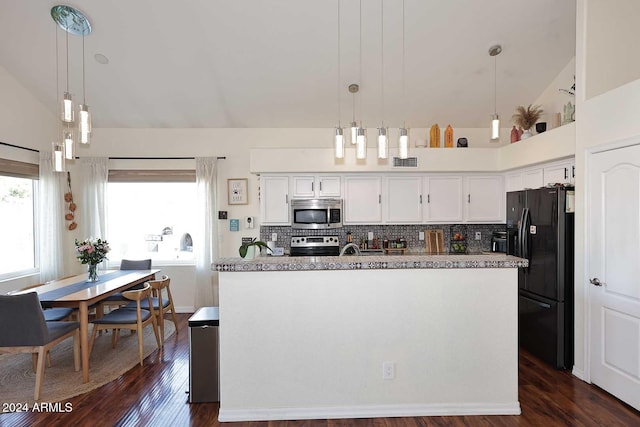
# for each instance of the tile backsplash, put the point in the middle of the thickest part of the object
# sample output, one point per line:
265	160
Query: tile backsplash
409	232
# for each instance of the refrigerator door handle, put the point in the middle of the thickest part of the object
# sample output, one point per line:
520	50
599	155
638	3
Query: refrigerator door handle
519	235
536	302
526	234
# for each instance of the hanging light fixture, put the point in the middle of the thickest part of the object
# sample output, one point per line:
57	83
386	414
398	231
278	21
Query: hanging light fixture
72	21
57	158
338	141
383	140
84	124
495	119
361	134
403	139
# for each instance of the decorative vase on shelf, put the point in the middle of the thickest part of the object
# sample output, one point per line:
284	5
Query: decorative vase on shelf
93	273
526	134
515	135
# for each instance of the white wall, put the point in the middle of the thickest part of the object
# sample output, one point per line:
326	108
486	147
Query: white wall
609	117
552	99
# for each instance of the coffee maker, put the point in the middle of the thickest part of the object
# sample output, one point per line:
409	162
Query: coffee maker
499	241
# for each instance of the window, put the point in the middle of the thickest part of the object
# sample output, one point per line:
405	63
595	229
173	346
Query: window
151	219
18	197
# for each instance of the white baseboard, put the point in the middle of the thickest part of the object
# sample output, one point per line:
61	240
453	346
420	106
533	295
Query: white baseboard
369	411
186	309
580	374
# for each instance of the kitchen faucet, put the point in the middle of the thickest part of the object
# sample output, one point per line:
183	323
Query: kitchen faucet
350	245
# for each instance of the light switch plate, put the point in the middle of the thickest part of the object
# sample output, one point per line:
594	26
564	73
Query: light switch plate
478	235
421	235
274	237
370	235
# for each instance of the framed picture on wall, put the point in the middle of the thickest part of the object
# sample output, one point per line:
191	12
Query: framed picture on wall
237	191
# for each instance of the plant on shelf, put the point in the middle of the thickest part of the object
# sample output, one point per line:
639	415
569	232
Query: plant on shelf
525	118
244	248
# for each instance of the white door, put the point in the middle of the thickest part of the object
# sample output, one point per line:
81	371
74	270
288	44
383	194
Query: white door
329	186
614	271
403	199
532	178
558	173
303	186
274	200
362	200
443	199
485	198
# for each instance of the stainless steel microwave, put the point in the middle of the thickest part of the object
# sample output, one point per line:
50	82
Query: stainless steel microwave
316	214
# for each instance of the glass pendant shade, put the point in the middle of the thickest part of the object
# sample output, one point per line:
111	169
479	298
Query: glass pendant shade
84	124
339	144
383	143
361	144
495	128
69	148
354	132
57	157
403	144
67	108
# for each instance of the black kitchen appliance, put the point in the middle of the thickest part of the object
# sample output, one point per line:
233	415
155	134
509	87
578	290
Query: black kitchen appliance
540	228
315	246
499	241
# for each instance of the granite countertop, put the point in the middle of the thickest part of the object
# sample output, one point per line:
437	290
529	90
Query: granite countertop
370	262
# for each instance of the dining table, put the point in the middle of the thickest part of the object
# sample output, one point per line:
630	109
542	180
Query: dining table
79	293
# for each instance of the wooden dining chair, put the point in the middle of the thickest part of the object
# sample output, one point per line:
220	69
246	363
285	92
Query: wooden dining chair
161	300
23	329
134	319
117	299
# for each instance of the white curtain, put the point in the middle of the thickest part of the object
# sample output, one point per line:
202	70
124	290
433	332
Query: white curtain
94	173
51	222
206	243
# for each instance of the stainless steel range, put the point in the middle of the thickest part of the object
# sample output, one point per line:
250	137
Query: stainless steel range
315	246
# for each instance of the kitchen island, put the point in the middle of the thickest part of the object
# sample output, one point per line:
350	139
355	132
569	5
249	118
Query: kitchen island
374	336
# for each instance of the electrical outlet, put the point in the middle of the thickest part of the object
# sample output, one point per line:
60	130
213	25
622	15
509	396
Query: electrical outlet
388	371
478	235
274	237
421	235
370	235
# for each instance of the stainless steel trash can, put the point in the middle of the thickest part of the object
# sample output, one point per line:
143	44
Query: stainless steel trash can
204	382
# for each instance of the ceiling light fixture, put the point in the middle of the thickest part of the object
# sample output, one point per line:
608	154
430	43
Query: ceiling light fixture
403	139
361	137
338	141
72	21
383	140
495	119
57	148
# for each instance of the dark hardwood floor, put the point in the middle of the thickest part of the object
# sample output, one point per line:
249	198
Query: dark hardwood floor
154	395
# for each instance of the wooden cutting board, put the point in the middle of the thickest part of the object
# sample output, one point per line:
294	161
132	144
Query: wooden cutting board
435	241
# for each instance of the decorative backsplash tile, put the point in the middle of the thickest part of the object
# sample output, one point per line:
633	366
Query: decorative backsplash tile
392	232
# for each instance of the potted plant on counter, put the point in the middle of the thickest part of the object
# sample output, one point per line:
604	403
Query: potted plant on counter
526	118
248	249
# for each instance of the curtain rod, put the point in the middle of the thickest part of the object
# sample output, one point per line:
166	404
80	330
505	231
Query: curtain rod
17	146
159	158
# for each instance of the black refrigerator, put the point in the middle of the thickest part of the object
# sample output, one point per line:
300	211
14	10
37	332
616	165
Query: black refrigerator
540	228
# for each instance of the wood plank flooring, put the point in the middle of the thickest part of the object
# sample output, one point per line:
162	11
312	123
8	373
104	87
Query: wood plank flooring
154	395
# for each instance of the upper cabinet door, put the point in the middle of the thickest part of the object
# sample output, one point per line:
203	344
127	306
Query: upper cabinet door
532	178
362	200
329	186
559	173
442	199
303	186
274	200
513	181
485	199
403	199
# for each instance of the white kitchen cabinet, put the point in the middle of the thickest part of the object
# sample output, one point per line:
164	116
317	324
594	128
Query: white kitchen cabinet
532	178
310	186
485	199
362	200
560	172
274	200
402	199
513	181
442	199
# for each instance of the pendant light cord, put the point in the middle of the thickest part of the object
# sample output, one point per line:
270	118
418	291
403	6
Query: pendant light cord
360	60
495	84
339	69
404	108
382	59
84	97
67	41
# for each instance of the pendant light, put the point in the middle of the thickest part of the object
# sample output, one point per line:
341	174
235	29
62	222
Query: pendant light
84	123
361	134
383	140
67	115
495	119
69	148
338	141
57	158
403	139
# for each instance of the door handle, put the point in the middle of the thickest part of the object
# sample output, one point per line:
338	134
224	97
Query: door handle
320	185
421	199
468	198
428	198
566	173
596	282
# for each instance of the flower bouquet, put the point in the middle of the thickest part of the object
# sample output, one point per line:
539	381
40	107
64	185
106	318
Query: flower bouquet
93	252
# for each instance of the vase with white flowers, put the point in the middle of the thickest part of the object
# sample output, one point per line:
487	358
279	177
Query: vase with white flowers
92	252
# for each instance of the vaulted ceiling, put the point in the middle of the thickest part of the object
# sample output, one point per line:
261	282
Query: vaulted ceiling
278	63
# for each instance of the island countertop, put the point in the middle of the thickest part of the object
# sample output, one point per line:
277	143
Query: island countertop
369	262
